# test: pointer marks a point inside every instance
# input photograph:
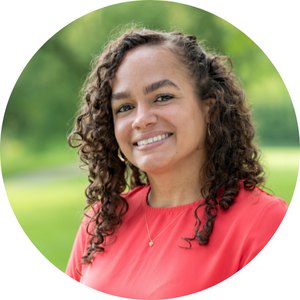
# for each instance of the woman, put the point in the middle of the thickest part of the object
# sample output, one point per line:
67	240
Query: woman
171	120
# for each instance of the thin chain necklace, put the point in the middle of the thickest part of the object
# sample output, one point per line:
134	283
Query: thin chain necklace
151	243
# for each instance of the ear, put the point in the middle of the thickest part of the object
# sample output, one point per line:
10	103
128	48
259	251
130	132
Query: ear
207	104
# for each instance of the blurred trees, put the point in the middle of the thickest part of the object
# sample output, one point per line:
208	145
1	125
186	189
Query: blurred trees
41	109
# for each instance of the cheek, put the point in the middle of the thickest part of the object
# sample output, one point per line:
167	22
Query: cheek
122	131
198	126
118	132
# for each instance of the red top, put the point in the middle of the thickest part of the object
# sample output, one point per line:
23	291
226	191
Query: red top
130	268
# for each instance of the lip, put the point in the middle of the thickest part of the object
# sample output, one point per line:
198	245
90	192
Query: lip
151	135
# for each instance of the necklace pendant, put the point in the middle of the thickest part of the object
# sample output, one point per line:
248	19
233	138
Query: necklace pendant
151	243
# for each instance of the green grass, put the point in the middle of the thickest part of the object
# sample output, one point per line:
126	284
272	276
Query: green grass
50	215
17	157
50	212
281	167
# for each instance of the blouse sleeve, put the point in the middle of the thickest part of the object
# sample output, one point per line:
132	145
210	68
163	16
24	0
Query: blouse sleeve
263	228
79	248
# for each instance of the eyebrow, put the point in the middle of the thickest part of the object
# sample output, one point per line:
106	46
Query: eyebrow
159	84
120	95
148	89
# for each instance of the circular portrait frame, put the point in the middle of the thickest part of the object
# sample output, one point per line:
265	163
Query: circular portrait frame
272	274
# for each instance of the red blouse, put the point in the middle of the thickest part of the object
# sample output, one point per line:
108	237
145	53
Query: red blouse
130	268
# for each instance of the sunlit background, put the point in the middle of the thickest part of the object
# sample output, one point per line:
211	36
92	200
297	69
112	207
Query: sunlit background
41	175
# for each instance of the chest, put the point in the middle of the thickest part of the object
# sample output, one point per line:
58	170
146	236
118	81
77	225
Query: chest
130	268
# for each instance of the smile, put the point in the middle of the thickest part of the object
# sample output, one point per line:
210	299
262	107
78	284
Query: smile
153	139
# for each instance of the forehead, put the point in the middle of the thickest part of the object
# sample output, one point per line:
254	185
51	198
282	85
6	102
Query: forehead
147	64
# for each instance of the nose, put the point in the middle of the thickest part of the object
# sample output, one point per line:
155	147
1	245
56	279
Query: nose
144	117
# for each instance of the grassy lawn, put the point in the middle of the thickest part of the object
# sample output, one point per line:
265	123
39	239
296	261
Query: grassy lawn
281	167
50	215
18	158
50	211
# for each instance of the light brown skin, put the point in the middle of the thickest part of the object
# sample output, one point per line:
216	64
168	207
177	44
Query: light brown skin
172	164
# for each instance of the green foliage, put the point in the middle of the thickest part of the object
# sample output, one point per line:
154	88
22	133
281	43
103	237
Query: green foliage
43	103
276	124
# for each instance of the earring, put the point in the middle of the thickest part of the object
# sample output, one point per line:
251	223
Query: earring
120	156
208	129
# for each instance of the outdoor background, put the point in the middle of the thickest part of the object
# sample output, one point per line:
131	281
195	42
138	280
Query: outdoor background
41	175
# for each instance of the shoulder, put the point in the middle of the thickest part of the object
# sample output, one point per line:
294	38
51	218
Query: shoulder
143	189
258	215
137	195
257	209
132	197
259	199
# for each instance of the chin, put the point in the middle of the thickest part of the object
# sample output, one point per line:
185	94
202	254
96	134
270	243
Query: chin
154	168
153	163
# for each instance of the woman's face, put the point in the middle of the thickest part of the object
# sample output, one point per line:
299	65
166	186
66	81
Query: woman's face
159	124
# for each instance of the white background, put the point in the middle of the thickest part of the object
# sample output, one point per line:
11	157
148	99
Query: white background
26	26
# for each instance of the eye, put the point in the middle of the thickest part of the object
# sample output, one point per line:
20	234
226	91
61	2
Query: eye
164	98
124	108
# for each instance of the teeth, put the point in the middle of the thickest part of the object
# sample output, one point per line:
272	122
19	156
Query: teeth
152	140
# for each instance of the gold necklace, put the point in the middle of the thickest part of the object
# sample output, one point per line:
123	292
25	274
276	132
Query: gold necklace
151	243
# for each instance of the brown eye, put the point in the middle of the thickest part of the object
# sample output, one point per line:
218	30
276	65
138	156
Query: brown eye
163	98
124	108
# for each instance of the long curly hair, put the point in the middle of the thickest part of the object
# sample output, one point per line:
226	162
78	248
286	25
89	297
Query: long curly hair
232	157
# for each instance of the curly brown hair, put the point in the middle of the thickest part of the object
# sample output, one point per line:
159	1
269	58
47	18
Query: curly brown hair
232	157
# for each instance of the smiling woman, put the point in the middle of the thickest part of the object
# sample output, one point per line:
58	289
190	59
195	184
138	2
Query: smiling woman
159	97
171	120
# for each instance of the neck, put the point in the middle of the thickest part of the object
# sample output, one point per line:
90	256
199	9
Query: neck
174	188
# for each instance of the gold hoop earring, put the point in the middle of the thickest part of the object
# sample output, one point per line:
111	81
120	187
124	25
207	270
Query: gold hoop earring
120	156
208	129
